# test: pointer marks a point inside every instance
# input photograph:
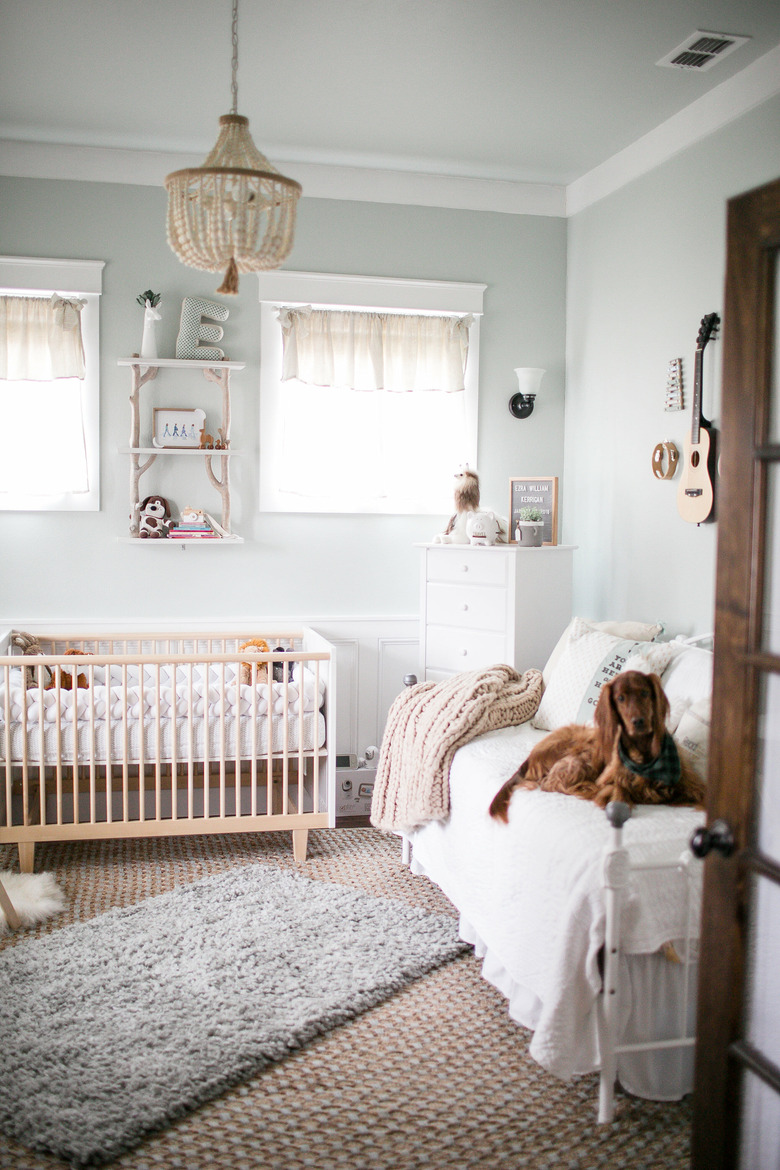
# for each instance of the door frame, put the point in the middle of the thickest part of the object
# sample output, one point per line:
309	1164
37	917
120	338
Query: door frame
722	1053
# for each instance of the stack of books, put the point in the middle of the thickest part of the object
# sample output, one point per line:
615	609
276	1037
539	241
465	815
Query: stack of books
195	531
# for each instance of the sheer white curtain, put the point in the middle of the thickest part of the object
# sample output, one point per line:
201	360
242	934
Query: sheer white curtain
41	375
374	414
397	352
40	339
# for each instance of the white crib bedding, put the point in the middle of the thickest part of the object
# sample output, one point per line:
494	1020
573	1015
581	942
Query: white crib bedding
165	712
531	899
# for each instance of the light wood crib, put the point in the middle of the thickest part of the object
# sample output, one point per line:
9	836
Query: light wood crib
166	734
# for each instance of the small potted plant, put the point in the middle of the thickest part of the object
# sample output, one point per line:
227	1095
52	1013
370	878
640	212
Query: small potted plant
150	300
529	529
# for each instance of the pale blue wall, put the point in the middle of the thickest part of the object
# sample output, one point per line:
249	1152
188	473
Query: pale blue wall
644	266
58	566
641	268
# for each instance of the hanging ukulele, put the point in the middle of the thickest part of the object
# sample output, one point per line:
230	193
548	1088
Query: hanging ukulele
695	495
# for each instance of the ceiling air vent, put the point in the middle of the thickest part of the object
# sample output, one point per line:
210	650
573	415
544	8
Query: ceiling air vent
701	50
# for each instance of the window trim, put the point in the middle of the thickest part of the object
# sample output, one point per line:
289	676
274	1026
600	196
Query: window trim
26	275
360	293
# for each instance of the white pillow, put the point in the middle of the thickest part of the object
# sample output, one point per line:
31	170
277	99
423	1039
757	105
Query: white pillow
590	658
693	736
687	679
636	631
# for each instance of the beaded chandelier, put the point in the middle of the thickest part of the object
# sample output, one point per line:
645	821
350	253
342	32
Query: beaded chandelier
236	212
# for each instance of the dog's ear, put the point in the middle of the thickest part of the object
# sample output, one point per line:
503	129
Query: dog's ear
660	711
607	722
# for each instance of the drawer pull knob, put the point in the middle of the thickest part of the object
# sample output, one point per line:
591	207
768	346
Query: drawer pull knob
465	568
465	607
464	653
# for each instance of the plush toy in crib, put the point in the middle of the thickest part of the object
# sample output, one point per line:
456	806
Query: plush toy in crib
30	647
155	518
466	503
482	528
64	677
254	646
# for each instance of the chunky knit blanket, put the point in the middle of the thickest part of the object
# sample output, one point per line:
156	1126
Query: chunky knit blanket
426	725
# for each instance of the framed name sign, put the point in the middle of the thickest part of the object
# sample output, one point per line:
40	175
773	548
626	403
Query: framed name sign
539	492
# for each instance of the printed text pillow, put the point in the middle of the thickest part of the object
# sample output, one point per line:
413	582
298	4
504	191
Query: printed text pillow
590	658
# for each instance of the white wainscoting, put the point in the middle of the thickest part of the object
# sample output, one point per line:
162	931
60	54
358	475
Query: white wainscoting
372	657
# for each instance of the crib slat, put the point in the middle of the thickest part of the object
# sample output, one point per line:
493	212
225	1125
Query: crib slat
8	756
301	724
141	745
157	743
25	776
92	747
191	744
252	746
41	744
125	746
109	748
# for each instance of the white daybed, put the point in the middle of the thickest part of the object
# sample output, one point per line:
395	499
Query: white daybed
532	894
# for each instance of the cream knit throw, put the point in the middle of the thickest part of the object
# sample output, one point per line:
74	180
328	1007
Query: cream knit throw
426	725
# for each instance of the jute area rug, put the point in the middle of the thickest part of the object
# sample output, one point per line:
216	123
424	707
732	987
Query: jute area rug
437	1076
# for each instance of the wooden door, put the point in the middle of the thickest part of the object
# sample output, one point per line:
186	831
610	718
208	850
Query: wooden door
737	1086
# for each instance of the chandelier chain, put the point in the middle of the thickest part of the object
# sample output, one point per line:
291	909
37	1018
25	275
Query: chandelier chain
234	82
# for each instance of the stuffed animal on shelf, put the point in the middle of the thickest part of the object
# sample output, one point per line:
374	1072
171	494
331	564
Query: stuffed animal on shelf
482	528
155	518
466	502
256	646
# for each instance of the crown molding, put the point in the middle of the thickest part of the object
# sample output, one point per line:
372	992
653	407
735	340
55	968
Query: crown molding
755	84
725	103
95	164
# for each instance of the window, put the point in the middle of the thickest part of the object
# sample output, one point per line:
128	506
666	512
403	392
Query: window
49	384
356	431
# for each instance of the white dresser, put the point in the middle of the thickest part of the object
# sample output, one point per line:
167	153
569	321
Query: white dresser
480	605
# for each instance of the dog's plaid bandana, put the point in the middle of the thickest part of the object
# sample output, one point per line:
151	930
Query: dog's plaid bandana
665	769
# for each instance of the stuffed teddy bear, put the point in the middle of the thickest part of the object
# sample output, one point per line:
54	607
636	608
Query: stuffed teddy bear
64	678
482	528
256	646
155	518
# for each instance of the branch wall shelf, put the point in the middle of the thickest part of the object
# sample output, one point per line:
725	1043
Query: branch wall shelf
142	457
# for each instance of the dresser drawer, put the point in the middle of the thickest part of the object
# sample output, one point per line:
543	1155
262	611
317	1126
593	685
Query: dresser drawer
475	607
449	648
473	565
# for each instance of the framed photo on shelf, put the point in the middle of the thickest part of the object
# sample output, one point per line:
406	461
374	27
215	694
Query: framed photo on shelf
539	492
177	428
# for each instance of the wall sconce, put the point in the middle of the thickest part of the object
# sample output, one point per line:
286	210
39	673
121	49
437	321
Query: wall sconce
528	378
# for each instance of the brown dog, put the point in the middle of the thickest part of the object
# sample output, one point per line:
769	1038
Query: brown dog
628	755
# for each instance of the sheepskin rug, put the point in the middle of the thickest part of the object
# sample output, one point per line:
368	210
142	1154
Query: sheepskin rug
34	897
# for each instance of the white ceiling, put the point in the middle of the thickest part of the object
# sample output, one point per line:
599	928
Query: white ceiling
525	91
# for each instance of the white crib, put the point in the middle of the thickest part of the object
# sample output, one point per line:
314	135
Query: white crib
159	734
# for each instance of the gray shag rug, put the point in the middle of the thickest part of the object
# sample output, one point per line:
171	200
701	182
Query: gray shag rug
114	1027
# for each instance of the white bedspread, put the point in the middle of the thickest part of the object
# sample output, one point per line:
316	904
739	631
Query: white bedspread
530	893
